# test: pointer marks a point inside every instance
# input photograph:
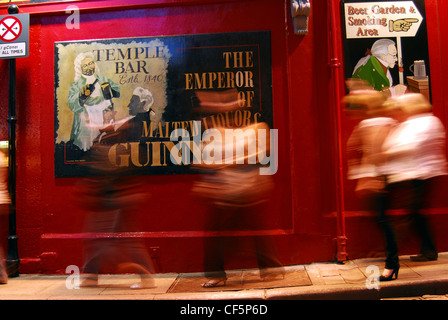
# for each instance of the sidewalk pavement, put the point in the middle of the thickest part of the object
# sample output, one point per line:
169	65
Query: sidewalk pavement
327	281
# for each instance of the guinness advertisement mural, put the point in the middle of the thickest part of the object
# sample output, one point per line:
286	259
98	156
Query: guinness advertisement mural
138	97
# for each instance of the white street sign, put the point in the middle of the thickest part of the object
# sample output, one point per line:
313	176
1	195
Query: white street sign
14	36
381	19
12	50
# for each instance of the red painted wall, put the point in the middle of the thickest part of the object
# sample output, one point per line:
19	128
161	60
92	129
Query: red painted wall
302	215
361	230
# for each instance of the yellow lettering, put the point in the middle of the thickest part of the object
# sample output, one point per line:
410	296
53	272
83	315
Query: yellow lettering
188	81
156	154
135	154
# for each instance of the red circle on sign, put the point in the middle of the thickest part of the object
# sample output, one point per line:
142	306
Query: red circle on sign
10	29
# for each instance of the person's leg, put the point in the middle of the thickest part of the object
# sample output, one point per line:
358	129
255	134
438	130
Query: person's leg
428	249
214	247
3	270
380	203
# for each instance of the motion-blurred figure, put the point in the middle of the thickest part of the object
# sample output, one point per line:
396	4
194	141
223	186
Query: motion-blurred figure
5	201
235	193
112	196
364	153
364	145
415	156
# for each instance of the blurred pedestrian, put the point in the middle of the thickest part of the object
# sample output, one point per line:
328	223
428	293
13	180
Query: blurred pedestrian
235	192
414	156
364	154
5	202
112	196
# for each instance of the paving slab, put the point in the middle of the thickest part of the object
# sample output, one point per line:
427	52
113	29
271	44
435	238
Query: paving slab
350	280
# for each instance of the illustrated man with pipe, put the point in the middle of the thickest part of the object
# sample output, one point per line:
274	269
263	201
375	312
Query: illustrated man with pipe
374	67
89	95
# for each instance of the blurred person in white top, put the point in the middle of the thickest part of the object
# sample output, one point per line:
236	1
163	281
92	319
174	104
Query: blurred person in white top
416	148
365	158
414	155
